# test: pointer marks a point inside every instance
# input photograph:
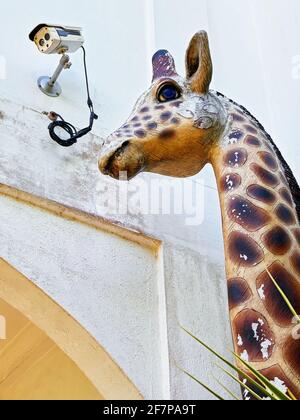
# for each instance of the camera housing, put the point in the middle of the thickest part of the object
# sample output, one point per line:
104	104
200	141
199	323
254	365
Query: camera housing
57	39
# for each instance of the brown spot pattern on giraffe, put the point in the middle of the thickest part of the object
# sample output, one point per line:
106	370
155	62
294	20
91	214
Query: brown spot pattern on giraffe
295	260
238	292
140	133
176	104
291	353
252	141
165	116
253	335
152	126
269	160
286	196
236	135
277	241
265	176
167	134
175	121
276	372
250	129
246	214
274	302
244	251
236	158
230	182
285	215
237	118
261	193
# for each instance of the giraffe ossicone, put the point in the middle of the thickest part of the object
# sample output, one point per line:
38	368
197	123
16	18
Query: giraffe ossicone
177	127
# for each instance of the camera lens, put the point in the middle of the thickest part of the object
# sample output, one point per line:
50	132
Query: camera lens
42	42
47	37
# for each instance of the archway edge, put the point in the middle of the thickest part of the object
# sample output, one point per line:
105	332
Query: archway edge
67	333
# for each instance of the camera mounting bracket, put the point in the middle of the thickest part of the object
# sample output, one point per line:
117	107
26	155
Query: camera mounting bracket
49	85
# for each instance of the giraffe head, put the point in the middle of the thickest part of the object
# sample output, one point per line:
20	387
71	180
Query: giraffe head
175	123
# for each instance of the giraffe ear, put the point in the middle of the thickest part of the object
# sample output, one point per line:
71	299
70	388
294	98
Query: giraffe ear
199	65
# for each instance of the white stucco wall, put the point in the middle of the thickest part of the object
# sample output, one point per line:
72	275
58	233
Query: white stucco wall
83	269
256	58
117	290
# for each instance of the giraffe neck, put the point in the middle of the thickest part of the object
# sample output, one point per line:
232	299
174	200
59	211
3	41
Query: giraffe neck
261	231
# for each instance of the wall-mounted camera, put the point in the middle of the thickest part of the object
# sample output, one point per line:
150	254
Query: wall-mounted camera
56	39
60	39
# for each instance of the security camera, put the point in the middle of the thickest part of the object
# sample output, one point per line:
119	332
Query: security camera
57	39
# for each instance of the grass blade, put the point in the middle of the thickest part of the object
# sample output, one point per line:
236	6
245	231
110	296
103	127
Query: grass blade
292	396
227	390
203	386
277	394
232	366
253	393
263	385
285	298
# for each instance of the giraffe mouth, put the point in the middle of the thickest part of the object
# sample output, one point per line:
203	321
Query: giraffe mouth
124	163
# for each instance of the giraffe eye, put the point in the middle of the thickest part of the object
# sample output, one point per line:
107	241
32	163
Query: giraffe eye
168	92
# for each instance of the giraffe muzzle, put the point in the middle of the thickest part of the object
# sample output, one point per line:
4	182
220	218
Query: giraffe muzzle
122	163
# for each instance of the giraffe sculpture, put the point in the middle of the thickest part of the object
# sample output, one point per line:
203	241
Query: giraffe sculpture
177	127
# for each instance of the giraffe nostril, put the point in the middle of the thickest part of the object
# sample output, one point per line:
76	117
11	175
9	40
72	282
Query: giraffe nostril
125	144
116	155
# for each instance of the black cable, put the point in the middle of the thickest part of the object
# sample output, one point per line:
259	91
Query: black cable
90	102
72	132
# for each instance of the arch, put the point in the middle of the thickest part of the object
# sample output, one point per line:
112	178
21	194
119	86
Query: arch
41	340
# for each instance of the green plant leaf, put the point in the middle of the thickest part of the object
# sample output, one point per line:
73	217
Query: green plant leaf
292	396
286	299
263	385
227	390
242	384
204	386
232	366
272	389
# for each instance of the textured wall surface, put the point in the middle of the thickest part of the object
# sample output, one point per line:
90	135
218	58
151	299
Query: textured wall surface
255	50
130	300
83	270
